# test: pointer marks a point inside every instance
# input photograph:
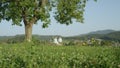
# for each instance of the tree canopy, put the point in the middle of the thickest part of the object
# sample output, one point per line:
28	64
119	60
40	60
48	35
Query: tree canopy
30	11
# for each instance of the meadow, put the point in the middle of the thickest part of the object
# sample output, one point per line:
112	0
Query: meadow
27	55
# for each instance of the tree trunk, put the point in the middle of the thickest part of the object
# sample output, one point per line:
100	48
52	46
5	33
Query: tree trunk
28	31
28	25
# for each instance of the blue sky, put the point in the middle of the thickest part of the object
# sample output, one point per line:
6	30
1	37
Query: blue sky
100	15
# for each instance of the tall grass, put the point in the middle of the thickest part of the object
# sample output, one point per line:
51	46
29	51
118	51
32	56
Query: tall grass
27	55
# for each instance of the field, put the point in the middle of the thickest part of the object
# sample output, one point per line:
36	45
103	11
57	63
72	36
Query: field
26	55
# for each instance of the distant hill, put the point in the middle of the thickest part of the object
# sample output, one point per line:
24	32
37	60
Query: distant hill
20	38
102	32
2	38
111	35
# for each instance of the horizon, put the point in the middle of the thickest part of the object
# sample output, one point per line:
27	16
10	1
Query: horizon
100	15
61	35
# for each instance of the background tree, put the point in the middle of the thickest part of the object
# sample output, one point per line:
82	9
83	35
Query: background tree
30	11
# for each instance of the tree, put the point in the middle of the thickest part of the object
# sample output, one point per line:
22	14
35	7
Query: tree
30	11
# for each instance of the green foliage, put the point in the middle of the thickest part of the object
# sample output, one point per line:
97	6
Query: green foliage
25	10
29	10
28	55
67	10
70	43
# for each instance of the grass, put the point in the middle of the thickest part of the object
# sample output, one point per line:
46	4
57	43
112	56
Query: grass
26	55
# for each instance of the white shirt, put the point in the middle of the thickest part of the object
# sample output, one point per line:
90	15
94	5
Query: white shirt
56	41
60	39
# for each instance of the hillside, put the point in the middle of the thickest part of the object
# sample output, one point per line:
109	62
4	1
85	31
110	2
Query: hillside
112	36
102	31
109	35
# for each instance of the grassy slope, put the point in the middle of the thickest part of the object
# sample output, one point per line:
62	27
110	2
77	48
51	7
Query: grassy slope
40	56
